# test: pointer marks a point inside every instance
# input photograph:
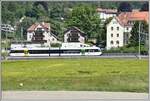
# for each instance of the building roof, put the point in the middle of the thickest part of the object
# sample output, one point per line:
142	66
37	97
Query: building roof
124	17
43	24
75	28
108	11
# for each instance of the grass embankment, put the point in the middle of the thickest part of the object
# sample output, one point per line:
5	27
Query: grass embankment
76	74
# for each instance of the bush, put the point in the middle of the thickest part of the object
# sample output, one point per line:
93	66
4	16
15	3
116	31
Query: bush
56	45
4	55
113	50
144	50
127	49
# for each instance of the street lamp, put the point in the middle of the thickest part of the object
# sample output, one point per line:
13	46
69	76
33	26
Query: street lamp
7	29
139	40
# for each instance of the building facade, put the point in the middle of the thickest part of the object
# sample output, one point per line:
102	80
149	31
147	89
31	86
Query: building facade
40	33
73	34
106	13
119	28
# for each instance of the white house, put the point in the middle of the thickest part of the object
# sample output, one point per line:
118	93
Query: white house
119	28
106	13
41	33
74	34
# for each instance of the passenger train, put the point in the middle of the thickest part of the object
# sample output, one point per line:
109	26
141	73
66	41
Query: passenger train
59	51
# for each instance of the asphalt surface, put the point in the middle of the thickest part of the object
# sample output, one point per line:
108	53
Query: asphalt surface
66	95
49	57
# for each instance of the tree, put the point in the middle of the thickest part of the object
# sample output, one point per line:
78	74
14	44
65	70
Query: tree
44	4
26	23
145	7
104	31
98	41
124	7
134	39
57	11
85	18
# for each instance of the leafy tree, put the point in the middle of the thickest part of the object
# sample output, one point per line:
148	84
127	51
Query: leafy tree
44	4
57	27
26	23
104	31
58	14
39	12
124	7
98	41
134	39
145	7
85	18
57	11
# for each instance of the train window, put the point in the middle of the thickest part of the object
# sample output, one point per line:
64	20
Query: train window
71	51
16	51
92	50
38	51
55	51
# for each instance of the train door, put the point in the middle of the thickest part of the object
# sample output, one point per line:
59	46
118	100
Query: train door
26	52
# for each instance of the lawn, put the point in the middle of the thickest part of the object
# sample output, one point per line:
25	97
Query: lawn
84	74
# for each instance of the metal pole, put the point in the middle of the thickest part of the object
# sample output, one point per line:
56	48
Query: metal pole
139	40
21	34
6	41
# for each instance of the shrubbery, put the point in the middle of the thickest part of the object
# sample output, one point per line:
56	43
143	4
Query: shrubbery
56	45
127	49
4	55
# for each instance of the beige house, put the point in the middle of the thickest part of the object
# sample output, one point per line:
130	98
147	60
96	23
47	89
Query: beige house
41	33
74	34
119	28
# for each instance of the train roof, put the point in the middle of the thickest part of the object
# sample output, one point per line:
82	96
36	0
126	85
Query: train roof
46	48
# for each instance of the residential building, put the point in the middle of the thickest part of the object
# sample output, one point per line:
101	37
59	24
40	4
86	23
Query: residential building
41	33
74	34
119	28
106	13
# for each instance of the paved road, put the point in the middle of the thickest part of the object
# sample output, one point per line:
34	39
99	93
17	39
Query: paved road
47	57
62	95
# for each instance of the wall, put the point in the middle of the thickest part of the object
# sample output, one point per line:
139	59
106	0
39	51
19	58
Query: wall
114	24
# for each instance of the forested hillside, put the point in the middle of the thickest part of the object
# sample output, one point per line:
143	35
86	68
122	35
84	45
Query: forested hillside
56	13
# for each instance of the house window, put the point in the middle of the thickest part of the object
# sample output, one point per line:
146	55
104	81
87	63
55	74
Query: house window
117	28
53	39
112	28
111	35
30	36
127	35
127	28
111	42
117	35
117	42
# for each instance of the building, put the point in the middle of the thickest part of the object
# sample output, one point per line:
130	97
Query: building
41	33
106	13
74	34
119	28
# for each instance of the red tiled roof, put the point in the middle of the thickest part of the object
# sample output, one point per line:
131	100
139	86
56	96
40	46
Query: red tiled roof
106	10
125	17
44	25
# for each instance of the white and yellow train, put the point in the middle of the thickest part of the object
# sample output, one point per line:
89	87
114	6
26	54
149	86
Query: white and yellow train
59	51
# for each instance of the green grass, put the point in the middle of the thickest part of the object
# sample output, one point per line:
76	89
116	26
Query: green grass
76	74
